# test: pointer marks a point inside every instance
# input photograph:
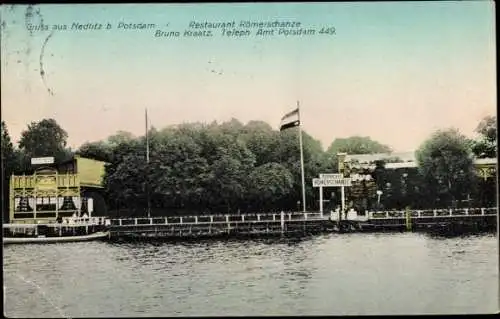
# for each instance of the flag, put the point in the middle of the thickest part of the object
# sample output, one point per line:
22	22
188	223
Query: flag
291	119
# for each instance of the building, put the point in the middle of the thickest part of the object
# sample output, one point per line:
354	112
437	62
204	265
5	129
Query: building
58	190
485	167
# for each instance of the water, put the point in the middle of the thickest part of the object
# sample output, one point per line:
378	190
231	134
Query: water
335	274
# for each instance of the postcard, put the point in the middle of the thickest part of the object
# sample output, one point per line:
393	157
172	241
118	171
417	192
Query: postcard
249	159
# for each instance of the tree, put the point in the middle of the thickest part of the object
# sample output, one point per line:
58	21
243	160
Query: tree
44	138
356	145
8	152
8	166
100	151
446	165
120	137
486	144
268	185
488	128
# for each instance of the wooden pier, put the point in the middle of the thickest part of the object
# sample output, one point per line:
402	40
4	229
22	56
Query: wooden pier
246	225
415	220
300	224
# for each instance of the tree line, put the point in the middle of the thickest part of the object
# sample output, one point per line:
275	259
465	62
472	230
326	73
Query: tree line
236	167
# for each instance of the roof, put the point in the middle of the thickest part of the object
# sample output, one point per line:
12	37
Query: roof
408	160
370	158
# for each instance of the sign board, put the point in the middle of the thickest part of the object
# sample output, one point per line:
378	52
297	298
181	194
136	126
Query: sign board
360	177
331	182
42	160
330	176
46	182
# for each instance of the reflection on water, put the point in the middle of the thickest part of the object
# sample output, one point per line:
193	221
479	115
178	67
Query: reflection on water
349	274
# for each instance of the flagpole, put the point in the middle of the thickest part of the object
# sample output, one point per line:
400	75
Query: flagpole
147	163
302	161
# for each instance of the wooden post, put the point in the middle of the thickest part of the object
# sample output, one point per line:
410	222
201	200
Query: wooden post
321	200
282	222
120	221
57	196
166	220
211	218
151	221
196	219
181	220
135	221
408	219
343	201
242	218
258	217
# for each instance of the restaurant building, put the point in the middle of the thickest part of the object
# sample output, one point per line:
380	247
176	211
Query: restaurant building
57	190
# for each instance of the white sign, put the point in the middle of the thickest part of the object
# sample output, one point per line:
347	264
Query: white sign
330	176
42	160
360	177
331	182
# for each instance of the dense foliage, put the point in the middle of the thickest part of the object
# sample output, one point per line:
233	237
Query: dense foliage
446	165
235	167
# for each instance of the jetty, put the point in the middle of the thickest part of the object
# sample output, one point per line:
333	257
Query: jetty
300	223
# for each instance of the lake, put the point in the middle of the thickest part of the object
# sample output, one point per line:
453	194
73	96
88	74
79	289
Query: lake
333	274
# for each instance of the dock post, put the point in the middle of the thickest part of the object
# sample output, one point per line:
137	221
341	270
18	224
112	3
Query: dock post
482	211
120	221
135	221
151	221
408	219
211	218
166	220
321	200
289	216
258	217
196	219
242	218
227	218
274	217
282	222
181	220
305	216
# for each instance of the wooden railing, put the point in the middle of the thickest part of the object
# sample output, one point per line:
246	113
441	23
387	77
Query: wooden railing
217	219
70	221
434	213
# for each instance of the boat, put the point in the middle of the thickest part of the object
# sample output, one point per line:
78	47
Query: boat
63	239
72	229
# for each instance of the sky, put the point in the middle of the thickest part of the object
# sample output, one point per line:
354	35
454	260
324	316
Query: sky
394	71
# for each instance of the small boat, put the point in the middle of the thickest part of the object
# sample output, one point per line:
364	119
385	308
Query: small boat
62	239
71	230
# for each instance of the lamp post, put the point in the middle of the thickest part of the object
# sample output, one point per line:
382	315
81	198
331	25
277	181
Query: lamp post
341	157
379	193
